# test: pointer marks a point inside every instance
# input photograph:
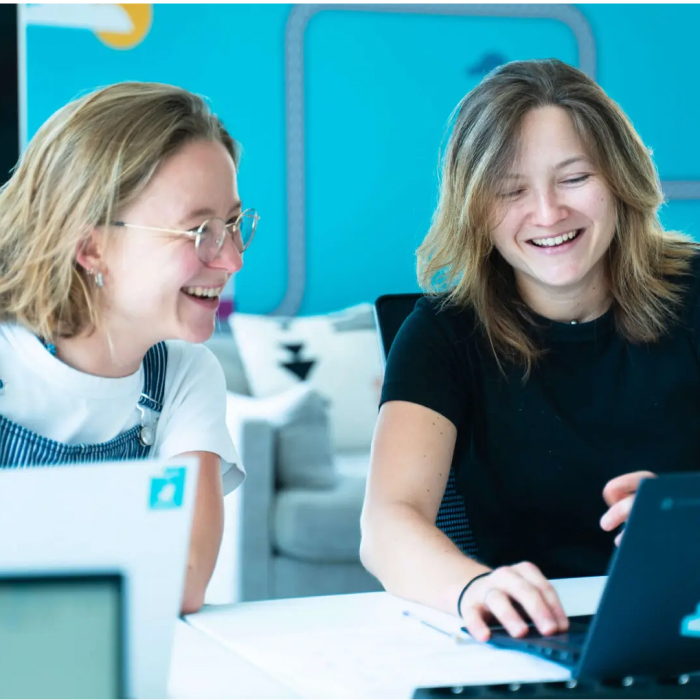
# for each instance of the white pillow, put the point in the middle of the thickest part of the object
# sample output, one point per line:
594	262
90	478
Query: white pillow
337	354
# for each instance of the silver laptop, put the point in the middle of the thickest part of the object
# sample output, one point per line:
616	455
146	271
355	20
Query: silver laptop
101	551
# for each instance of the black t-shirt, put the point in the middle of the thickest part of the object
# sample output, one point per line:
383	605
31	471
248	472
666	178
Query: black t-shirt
532	458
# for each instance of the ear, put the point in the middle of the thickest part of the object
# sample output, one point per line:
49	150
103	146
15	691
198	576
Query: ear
90	252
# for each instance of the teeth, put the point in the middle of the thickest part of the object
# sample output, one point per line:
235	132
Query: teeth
206	292
558	240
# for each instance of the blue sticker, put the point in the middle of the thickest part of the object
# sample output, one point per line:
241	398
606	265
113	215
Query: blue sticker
690	624
167	491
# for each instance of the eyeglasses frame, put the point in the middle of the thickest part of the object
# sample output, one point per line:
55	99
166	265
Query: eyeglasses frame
195	234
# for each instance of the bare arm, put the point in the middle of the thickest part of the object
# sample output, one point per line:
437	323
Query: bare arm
207	530
411	456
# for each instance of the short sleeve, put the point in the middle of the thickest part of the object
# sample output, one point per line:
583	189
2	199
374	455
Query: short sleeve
194	412
428	363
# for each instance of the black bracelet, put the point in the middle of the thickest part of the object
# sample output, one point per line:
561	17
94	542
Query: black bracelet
464	590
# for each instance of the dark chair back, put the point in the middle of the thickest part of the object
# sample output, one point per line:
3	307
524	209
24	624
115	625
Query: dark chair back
391	311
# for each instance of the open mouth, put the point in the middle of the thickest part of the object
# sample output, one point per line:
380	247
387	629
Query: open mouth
204	294
559	241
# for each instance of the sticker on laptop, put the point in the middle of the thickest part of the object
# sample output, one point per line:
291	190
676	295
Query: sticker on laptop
690	624
168	490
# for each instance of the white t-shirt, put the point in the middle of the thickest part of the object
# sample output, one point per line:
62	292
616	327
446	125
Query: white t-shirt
61	403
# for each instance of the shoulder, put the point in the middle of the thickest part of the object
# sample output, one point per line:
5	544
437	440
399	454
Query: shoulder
429	362
192	366
440	309
448	318
694	268
190	356
16	335
194	412
688	282
20	346
436	330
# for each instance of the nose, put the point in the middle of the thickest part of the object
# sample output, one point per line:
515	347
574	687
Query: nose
547	209
229	258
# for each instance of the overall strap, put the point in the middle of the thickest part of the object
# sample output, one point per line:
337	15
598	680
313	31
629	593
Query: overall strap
154	366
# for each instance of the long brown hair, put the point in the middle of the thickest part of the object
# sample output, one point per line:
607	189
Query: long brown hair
90	159
458	258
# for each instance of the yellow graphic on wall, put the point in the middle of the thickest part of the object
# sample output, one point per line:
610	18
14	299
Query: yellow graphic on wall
141	16
120	26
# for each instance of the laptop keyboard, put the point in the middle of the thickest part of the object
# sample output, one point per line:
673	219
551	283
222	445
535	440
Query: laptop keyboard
563	647
559	641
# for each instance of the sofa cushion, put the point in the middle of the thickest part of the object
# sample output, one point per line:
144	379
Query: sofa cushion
337	354
226	351
303	453
292	578
321	525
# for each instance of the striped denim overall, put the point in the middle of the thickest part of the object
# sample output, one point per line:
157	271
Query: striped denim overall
20	447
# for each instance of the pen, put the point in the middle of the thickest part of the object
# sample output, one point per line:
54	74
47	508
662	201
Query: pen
455	637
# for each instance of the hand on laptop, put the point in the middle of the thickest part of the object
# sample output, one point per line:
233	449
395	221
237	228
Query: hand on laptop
619	496
504	590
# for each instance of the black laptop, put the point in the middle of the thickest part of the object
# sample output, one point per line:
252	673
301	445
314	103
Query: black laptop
648	619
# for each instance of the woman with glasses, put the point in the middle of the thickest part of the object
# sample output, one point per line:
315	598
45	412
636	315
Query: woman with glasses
551	367
119	229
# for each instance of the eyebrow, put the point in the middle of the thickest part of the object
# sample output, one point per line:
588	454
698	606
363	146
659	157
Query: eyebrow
205	211
558	166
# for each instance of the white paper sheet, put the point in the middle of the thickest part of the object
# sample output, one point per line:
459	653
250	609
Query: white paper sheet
362	646
376	661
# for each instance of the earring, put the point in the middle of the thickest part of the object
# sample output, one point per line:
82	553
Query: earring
99	279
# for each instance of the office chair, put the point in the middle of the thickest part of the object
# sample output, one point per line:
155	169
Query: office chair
391	311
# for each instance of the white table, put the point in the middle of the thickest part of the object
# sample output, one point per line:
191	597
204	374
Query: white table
346	646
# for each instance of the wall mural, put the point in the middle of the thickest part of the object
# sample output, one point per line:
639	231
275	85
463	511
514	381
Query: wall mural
341	111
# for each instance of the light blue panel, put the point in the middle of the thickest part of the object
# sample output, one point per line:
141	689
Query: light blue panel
234	55
648	62
682	216
379	89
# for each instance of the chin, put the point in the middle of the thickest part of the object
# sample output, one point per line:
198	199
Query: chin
560	278
196	333
561	284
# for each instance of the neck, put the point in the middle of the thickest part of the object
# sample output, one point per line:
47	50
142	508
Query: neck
578	303
103	352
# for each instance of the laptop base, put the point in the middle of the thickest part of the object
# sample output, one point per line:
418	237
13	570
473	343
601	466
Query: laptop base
686	686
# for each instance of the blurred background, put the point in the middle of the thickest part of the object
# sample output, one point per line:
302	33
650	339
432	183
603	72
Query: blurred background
341	112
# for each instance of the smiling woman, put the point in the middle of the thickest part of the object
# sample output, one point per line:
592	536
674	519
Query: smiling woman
164	266
556	220
552	365
112	262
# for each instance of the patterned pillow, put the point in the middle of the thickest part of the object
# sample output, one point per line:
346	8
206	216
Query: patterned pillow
338	355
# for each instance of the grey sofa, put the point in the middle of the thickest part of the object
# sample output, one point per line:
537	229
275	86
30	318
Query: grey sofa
285	542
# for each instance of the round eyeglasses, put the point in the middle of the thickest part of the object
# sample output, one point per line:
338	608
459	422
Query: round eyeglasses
210	235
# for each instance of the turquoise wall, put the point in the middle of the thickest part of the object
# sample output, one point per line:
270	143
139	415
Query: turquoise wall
376	91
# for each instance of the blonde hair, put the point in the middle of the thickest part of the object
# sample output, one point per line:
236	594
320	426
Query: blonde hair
458	258
90	159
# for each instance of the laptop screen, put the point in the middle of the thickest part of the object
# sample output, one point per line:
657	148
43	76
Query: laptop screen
61	636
